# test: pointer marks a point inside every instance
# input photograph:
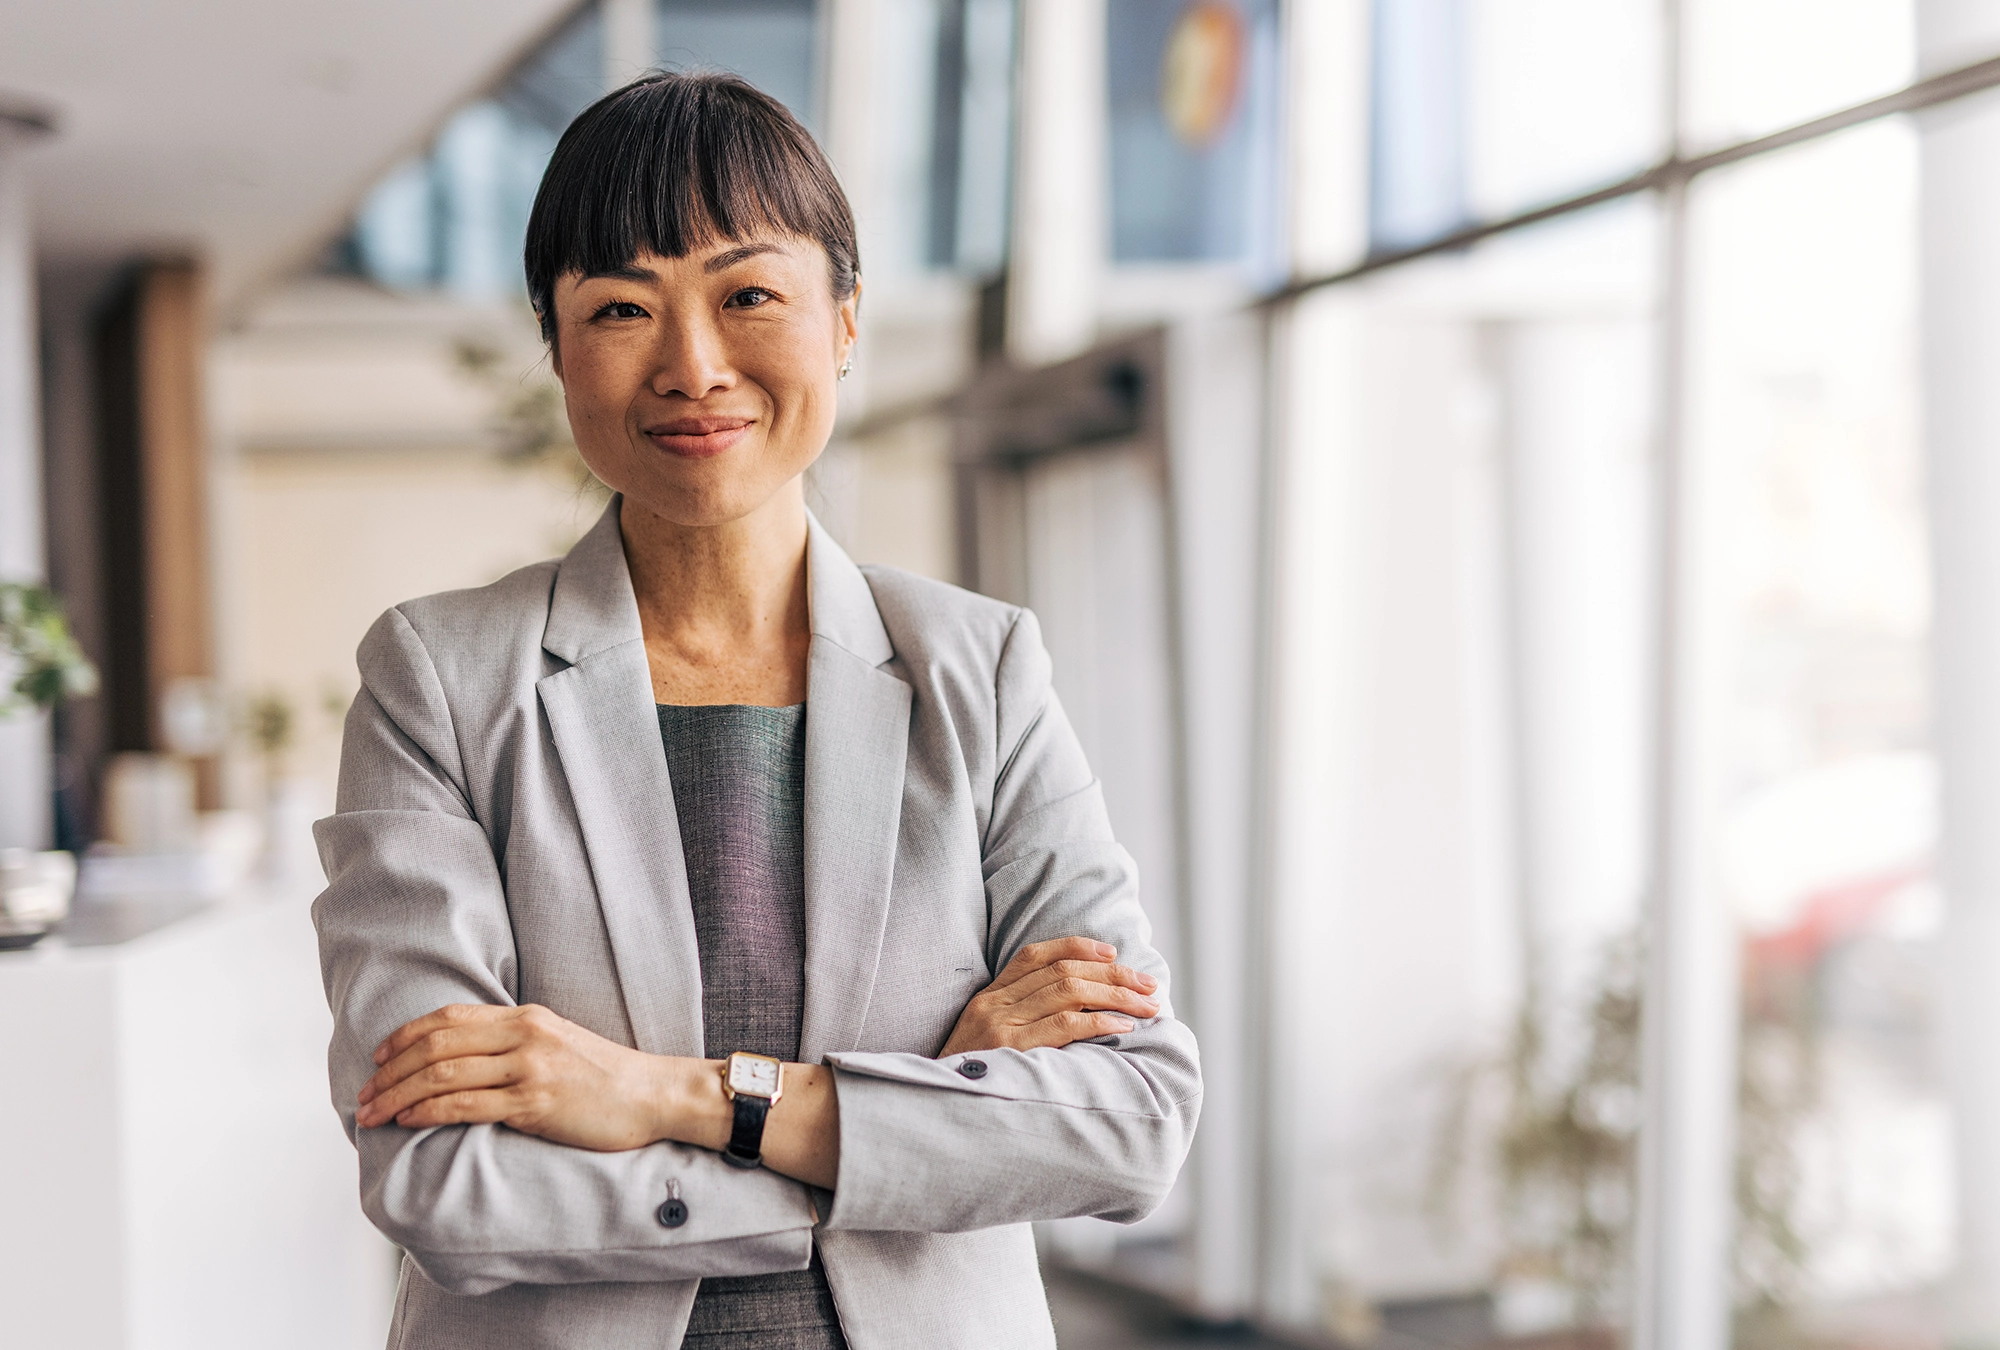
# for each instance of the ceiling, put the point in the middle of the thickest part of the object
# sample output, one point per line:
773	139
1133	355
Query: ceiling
239	131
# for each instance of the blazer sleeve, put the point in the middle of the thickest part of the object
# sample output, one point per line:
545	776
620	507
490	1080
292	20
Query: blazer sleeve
1094	1128
414	917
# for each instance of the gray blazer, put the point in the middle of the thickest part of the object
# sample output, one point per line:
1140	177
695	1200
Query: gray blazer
505	834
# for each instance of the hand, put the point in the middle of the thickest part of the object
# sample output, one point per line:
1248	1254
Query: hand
1053	993
522	1067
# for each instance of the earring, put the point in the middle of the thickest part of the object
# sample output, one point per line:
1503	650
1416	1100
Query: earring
846	369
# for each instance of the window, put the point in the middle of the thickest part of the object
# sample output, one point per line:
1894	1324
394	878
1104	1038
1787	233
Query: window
1608	599
770	43
1194	100
454	217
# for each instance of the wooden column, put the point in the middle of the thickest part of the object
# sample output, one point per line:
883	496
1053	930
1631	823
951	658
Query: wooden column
154	478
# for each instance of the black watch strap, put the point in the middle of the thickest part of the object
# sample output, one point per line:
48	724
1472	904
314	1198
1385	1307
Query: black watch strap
746	1139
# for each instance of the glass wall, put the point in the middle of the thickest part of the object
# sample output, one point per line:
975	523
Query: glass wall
770	43
1457	911
1483	108
938	135
972	126
453	216
1605	923
1754	66
1804	398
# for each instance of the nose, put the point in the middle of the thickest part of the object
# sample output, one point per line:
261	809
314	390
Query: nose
691	360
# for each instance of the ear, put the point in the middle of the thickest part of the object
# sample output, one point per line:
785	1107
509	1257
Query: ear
850	320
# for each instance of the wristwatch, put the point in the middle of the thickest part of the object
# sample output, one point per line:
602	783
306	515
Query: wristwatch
754	1083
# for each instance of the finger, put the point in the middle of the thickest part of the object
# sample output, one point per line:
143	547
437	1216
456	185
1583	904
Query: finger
444	1078
451	1015
490	1106
1065	1028
1102	972
1038	954
1077	995
450	1042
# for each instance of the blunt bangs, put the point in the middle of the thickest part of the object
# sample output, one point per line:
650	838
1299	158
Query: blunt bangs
675	161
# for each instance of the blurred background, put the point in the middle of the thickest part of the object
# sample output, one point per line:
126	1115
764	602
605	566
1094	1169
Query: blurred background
1512	488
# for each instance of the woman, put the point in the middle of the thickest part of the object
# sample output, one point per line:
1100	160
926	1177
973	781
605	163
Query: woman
669	881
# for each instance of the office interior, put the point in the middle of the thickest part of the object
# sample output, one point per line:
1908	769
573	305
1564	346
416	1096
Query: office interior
1511	489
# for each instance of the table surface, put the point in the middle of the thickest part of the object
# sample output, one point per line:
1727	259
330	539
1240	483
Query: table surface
191	1187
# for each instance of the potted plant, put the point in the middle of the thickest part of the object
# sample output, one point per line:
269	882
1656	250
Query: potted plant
40	665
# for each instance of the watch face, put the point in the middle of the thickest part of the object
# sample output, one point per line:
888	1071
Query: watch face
753	1075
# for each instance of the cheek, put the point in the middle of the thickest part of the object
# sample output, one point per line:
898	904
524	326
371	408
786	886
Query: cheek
596	411
589	384
801	385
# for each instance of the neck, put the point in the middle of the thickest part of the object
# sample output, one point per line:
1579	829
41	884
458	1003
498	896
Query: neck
719	588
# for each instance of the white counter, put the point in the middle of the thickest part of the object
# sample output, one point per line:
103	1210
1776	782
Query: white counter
174	1175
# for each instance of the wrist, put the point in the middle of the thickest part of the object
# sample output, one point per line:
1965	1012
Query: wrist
693	1108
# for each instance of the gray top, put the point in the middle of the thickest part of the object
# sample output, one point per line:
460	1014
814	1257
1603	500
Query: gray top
738	776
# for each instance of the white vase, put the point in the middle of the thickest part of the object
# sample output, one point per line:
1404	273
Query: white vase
35	891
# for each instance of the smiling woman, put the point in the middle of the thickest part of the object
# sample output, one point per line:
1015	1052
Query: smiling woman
727	944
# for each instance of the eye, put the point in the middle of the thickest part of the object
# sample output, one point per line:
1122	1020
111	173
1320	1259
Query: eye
620	309
748	298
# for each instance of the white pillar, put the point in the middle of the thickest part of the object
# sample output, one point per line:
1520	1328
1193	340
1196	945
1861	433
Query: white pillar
1960	204
1215	380
1326	134
850	115
630	48
1316	429
1687	1213
1577	435
25	786
1060	185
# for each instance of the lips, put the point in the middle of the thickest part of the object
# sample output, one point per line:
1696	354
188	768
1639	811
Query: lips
698	437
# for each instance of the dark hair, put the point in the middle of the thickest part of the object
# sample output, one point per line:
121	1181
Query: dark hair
671	162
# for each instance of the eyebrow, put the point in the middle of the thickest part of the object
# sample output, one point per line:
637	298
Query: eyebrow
629	272
730	257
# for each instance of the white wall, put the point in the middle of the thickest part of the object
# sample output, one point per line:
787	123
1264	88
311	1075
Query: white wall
25	783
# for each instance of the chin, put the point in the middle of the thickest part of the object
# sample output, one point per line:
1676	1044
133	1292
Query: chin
700	506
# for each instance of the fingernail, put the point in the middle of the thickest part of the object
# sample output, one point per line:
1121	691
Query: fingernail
1106	950
381	1053
1125	1024
367	1094
1148	982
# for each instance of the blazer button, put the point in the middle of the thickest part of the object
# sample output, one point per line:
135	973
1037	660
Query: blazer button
973	1068
673	1213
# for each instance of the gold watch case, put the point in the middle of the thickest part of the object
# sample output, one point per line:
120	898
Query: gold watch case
747	1075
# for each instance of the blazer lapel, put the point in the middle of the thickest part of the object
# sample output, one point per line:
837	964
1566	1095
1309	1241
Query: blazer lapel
600	711
857	736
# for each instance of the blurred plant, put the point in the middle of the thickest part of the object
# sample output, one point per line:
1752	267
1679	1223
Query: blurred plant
529	420
1566	1149
35	636
1778	1082
334	702
1567	1146
270	724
